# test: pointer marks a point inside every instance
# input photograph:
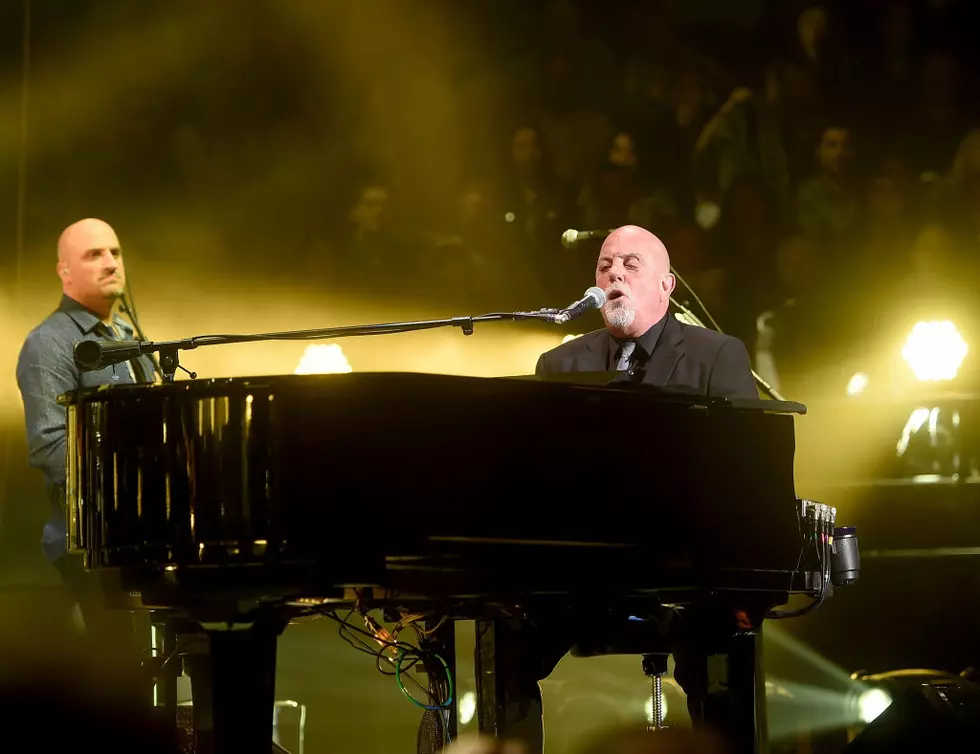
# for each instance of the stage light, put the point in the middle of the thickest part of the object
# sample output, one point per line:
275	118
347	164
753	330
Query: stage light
467	708
934	350
323	359
570	337
871	703
857	384
938	716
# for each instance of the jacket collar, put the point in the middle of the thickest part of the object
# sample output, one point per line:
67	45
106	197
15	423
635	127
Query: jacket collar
87	320
663	361
660	365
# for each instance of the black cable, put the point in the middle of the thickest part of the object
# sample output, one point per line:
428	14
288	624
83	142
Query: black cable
799	559
129	306
824	558
412	655
439	694
694	295
345	624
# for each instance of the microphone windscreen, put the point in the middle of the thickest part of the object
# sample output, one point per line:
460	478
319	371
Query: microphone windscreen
596	293
88	354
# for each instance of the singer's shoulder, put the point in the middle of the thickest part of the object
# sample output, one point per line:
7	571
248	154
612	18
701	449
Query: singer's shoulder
579	342
702	337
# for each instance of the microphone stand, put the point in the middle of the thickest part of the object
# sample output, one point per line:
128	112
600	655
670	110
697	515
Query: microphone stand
168	349
766	387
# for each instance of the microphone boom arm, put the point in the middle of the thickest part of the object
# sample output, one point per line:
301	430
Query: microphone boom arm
765	386
168	349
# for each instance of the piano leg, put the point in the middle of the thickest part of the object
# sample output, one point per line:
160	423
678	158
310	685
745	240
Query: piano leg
718	658
235	687
511	657
443	641
163	643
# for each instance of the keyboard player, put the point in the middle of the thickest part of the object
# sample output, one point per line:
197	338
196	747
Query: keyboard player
90	268
640	338
651	347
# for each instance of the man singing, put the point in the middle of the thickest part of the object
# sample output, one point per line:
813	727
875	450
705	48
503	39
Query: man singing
641	338
652	347
90	267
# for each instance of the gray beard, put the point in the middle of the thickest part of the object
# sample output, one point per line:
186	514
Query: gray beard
620	317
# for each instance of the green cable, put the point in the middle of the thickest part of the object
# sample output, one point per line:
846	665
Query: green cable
449	677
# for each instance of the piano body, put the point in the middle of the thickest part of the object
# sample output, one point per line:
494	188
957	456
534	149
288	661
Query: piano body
238	504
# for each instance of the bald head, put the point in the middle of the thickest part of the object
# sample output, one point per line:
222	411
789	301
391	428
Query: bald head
82	234
90	265
634	271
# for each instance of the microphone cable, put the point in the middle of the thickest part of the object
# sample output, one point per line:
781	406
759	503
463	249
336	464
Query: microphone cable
129	307
694	295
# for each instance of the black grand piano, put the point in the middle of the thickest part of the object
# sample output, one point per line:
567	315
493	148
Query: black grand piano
236	505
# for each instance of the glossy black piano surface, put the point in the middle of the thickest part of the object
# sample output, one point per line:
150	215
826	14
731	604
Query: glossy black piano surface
311	482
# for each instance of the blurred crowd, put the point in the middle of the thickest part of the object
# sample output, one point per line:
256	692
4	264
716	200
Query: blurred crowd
815	161
811	163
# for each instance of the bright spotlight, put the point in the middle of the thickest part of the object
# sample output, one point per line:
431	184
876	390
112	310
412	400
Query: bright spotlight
467	707
857	384
648	707
872	703
934	350
570	337
323	359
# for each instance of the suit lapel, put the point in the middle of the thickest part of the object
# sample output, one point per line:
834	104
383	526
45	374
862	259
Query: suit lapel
665	356
594	353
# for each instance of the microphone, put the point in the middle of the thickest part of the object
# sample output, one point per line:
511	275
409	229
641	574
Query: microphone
572	237
91	355
594	298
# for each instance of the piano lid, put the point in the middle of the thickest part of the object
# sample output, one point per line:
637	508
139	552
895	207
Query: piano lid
606	382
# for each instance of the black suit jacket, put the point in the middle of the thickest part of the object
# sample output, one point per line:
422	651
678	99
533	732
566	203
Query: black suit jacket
686	357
